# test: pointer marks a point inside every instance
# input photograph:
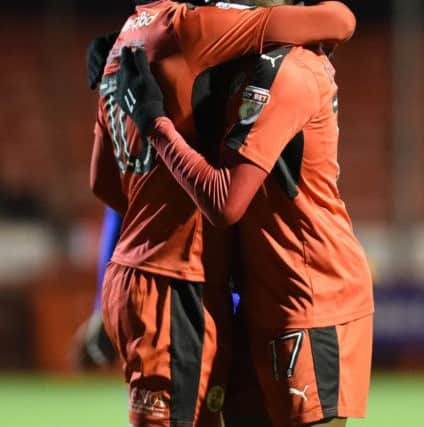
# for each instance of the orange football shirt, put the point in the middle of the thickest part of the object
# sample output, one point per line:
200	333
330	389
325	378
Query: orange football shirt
162	230
302	263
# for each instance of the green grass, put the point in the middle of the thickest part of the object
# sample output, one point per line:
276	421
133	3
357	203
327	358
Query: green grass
35	401
62	402
396	400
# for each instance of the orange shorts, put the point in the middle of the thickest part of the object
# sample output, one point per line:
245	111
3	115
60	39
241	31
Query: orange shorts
314	374
174	340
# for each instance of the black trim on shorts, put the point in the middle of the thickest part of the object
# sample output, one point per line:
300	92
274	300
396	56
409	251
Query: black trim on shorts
187	332
325	353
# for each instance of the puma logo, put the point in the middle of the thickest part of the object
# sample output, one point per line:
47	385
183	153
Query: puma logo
300	393
272	59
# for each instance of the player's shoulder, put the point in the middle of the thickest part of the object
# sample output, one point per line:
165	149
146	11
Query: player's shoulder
316	68
283	75
306	66
311	61
311	58
280	65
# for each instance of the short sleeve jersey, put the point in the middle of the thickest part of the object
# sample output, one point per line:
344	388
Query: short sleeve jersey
303	265
162	231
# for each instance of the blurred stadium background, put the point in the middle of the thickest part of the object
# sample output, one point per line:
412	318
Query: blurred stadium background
50	223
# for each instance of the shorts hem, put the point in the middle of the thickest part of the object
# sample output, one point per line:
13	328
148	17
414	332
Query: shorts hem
311	416
316	414
347	412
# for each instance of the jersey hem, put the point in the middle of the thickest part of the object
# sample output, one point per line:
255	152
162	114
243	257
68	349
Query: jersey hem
328	321
162	271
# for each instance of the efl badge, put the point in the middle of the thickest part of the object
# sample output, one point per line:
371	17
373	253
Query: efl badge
215	398
254	99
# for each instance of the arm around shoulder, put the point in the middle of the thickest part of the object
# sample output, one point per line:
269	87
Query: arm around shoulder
330	21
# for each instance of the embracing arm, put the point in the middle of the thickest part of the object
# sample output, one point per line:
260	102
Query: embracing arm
329	21
222	194
105	181
211	35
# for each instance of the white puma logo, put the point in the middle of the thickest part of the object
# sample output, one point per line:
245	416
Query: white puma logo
132	99
272	59
297	392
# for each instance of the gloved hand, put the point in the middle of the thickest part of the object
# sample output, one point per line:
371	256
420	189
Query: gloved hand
96	55
138	93
91	347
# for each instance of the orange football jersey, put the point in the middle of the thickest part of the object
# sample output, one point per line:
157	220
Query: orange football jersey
303	265
162	231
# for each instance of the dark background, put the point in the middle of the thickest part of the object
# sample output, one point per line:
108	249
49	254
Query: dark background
364	9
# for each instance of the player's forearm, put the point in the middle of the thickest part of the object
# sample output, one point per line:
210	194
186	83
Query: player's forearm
104	176
117	202
328	21
209	187
107	193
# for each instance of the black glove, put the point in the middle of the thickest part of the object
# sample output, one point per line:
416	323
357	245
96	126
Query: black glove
138	93
91	347
96	55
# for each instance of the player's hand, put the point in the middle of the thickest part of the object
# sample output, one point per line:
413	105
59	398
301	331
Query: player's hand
96	55
138	93
91	347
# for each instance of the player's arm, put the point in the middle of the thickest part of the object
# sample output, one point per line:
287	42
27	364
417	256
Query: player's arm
210	35
105	181
329	21
91	345
223	194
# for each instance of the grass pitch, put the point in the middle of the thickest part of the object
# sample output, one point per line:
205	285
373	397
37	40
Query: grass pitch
90	401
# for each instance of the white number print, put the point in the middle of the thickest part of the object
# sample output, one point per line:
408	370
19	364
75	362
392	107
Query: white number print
130	100
142	160
297	338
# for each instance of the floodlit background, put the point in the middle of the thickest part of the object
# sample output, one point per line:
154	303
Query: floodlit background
50	222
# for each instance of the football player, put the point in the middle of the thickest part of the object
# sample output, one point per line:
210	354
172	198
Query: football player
166	302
